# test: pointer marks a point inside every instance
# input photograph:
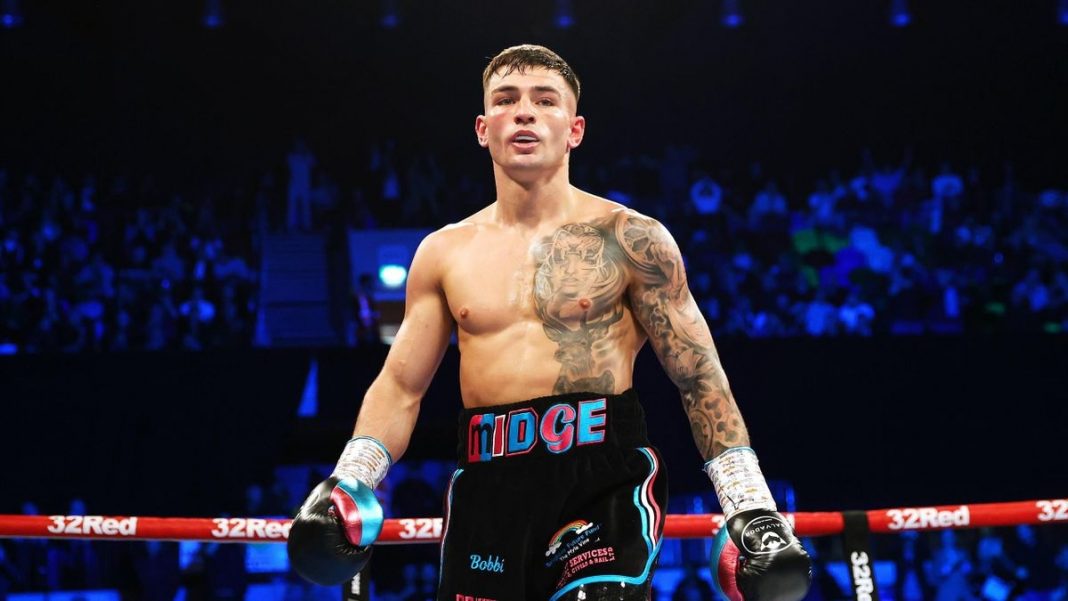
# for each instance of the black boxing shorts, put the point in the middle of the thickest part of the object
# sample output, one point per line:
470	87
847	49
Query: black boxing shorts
551	496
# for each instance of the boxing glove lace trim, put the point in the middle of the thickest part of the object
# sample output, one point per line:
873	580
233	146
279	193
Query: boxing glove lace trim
364	459
739	484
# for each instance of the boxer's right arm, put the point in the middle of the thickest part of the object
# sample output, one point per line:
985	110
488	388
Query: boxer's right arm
391	404
329	541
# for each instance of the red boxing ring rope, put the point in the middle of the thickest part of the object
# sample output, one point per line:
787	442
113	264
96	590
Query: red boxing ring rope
428	530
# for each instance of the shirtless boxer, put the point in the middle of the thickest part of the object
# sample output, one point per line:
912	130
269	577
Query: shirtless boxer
552	291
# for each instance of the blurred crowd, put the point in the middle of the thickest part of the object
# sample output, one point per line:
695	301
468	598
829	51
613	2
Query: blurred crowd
114	269
891	250
881	249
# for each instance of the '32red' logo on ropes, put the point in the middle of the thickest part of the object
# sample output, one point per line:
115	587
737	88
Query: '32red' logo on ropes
1055	510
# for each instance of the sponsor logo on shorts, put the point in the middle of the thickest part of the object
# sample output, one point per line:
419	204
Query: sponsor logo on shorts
585	559
569	539
765	535
561	428
492	563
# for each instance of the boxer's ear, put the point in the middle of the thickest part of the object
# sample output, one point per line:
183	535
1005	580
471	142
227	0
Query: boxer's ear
578	131
480	131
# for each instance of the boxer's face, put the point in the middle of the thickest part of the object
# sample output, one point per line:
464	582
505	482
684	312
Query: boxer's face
530	121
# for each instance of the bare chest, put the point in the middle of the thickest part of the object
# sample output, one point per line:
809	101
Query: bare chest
571	278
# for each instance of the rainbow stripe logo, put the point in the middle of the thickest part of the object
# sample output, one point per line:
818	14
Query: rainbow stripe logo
575	527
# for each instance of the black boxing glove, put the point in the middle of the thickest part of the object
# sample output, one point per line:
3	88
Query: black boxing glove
755	556
330	538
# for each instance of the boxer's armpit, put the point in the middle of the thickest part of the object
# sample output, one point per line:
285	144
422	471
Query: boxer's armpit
662	302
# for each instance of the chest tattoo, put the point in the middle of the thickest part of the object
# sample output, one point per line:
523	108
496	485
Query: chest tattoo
579	281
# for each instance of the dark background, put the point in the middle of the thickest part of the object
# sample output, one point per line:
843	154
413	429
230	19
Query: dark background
801	87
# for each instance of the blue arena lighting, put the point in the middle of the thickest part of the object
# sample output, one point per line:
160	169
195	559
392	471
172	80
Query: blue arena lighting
1062	12
899	13
213	14
10	14
392	276
732	14
564	18
390	18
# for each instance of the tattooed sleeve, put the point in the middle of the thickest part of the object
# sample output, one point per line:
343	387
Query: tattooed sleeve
662	302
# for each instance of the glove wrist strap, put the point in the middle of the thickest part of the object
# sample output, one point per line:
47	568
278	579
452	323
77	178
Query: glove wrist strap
739	484
364	459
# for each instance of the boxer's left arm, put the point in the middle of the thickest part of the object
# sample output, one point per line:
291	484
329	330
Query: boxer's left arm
662	303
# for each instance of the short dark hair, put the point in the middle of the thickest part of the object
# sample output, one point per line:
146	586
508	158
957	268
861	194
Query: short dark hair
526	56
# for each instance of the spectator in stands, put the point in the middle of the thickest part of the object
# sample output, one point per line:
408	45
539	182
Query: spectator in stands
81	566
1032	556
364	321
426	583
822	205
820	316
909	584
768	204
706	195
168	266
1031	293
161	327
36	562
155	574
9	577
855	315
384	171
198	316
301	162
1060	593
995	570
948	570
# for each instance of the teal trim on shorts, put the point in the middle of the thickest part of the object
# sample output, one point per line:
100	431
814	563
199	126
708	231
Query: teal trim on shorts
652	549
445	525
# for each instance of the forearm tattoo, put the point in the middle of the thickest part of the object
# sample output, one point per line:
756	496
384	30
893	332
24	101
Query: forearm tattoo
678	333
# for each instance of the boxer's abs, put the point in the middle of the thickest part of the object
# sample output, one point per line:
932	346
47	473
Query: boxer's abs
521	362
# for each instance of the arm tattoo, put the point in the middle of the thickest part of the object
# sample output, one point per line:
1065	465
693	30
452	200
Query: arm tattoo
678	333
578	295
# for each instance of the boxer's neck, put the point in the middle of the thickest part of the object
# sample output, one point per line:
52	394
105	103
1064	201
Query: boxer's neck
535	201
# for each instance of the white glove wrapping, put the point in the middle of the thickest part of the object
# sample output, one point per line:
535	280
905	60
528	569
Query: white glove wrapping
364	459
740	486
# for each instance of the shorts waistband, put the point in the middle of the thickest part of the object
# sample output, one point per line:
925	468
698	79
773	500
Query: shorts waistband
551	426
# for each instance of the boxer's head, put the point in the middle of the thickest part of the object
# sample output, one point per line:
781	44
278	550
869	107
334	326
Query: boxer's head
531	122
528	56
